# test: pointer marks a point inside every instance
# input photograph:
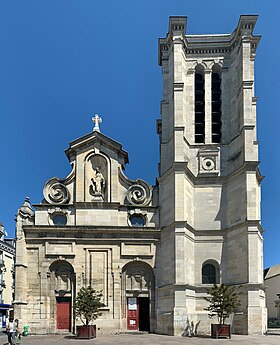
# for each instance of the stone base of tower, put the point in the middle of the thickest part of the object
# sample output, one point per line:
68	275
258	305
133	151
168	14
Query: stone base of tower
200	324
249	319
252	317
257	312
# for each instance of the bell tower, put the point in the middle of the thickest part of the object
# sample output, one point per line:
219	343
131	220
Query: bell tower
209	181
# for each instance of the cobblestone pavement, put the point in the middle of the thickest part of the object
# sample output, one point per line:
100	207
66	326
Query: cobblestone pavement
146	339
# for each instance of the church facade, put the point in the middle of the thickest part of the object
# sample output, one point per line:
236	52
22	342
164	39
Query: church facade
154	250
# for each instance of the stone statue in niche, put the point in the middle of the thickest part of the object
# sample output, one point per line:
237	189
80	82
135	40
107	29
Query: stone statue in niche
97	184
63	281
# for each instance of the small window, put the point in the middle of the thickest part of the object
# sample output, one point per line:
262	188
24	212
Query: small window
209	274
59	219
137	220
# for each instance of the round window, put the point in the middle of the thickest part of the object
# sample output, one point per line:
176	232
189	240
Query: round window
59	219
137	220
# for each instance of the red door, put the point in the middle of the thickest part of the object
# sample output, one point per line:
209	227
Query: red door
132	314
63	309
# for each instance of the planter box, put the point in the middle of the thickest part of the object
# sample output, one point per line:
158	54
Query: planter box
86	332
220	331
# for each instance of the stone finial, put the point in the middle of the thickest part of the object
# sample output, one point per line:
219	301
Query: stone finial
26	201
26	208
96	119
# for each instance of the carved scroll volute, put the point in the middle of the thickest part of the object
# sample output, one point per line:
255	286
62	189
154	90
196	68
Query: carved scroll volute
56	192
139	193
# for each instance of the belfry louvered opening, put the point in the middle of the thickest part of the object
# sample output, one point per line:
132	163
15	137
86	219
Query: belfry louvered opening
199	105
216	104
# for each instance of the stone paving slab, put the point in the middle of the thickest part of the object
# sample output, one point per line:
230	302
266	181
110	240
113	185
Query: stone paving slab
146	339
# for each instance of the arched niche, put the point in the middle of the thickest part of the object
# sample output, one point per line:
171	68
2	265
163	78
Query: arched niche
62	277
97	177
62	293
138	277
138	296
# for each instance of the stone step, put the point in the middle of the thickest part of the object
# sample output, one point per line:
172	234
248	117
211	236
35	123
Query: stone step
273	331
134	332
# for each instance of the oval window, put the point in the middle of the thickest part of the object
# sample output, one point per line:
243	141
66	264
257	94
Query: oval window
137	220
59	219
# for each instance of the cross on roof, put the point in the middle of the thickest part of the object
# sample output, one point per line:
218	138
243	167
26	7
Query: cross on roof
96	119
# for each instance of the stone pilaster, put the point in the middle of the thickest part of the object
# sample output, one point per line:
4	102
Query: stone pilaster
25	216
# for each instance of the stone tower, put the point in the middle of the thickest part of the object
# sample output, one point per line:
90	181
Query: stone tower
209	181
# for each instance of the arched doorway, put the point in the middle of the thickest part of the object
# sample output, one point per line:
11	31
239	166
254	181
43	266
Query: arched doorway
138	296
63	284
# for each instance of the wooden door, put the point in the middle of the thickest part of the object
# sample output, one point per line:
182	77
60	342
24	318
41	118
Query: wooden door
63	308
144	313
132	314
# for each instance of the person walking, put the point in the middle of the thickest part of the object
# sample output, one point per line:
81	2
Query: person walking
11	331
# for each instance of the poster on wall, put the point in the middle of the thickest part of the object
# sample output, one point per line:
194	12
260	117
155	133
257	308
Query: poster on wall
132	303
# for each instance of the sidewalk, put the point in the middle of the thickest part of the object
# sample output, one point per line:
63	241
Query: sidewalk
150	339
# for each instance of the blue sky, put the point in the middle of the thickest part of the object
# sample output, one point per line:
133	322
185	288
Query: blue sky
63	61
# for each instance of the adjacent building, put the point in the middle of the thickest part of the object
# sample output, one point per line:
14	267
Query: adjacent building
153	250
272	292
7	275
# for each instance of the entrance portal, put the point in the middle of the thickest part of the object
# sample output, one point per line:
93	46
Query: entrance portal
139	296
138	314
62	284
63	309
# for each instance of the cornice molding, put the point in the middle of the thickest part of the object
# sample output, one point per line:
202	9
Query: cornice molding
208	43
209	180
7	248
217	232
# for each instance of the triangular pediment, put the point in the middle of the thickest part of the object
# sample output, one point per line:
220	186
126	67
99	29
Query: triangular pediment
96	140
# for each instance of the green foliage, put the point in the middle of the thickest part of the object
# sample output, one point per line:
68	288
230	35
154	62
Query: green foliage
273	322
87	304
223	301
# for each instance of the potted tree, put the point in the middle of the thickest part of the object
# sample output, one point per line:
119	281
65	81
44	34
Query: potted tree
223	300
87	307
